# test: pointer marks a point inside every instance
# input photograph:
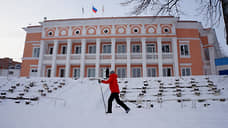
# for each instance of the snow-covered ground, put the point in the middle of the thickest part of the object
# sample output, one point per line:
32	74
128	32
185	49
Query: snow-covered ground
174	102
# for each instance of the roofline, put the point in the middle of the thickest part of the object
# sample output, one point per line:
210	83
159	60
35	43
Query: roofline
97	18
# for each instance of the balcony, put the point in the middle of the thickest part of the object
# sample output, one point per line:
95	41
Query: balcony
105	56
136	55
89	56
151	55
120	56
168	55
75	56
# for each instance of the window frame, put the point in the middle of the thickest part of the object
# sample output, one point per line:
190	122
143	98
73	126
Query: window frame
36	55
137	74
121	75
184	56
93	51
153	48
61	52
185	69
166	75
75	49
88	73
60	69
151	72
133	49
105	48
120	48
165	49
49	50
77	75
47	72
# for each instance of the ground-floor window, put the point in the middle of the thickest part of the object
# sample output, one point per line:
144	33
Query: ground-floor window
103	72
167	71
121	72
185	71
61	72
91	72
48	72
136	72
151	72
76	72
33	72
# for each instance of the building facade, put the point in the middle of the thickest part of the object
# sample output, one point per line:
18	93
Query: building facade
143	46
8	67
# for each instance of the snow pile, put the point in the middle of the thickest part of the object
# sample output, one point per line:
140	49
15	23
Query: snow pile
199	101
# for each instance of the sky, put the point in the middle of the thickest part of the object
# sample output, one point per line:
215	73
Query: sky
16	14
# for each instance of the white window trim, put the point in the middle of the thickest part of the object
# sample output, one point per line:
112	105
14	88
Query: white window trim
49	49
136	68
170	71
154	47
125	71
169	47
75	49
61	52
74	72
33	52
88	72
136	45
185	68
151	68
121	48
47	72
184	43
92	46
106	45
60	72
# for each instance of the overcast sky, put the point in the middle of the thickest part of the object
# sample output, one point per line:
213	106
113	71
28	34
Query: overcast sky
16	14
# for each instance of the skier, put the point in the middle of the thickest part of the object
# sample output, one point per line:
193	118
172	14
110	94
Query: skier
114	88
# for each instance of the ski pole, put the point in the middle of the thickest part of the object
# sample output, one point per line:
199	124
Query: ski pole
103	98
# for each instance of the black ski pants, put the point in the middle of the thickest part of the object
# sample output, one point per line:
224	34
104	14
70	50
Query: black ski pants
118	101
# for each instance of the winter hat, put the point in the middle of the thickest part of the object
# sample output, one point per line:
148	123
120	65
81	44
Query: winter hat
112	72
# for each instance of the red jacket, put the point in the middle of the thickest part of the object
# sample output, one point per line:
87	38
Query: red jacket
113	85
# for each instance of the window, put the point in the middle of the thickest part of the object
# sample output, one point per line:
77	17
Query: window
50	51
151	72
167	71
92	49
150	48
77	32
48	72
34	70
36	52
105	31
76	72
61	72
165	48
77	49
206	53
136	72
91	72
63	49
166	30
184	50
106	48
186	71
50	33
135	30
121	48
136	48
121	72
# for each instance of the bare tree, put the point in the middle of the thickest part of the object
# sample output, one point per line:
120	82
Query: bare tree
212	10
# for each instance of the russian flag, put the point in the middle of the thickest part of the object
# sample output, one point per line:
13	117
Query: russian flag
94	9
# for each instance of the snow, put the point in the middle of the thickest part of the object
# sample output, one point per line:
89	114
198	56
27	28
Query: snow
78	103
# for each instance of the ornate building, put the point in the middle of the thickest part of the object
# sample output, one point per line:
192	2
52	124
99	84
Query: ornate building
142	46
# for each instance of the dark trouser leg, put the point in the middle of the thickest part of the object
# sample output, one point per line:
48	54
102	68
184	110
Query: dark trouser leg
121	103
111	98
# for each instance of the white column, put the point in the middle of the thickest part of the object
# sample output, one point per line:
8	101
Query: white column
98	41
144	56
55	52
69	44
160	63
41	56
212	60
82	65
113	54
173	29
159	29
128	57
70	31
57	32
175	56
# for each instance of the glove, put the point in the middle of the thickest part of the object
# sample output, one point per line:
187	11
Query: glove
99	81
